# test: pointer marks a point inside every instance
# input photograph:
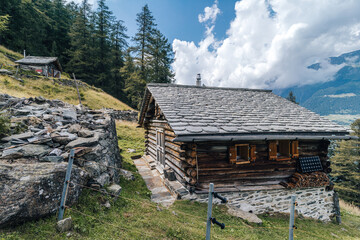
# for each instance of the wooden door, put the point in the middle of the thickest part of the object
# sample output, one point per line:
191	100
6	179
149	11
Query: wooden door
160	146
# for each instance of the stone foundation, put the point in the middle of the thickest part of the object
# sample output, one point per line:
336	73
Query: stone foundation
312	202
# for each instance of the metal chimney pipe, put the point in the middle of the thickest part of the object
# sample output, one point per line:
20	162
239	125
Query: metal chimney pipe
198	80
24	53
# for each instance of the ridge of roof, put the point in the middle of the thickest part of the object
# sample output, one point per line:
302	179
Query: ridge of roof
204	87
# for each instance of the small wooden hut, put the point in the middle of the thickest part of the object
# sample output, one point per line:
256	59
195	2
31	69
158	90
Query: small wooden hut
47	66
238	139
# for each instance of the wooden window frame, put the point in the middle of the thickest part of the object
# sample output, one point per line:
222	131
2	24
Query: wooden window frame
288	152
251	154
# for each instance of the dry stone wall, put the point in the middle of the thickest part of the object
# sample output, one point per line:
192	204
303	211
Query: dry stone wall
33	162
314	203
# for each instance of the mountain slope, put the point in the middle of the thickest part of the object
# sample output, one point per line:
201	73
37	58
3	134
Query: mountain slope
339	99
35	85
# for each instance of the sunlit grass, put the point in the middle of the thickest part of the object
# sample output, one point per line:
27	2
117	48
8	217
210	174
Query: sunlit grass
90	97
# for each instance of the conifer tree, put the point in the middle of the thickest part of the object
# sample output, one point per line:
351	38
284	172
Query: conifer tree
103	21
134	84
79	33
118	45
161	57
143	38
291	97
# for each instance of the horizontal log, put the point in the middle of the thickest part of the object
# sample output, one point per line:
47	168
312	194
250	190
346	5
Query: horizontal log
247	176
179	163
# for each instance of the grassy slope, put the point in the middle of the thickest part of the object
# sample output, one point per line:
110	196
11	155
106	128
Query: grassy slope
134	216
91	97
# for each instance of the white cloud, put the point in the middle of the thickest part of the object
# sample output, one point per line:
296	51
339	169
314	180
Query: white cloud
270	46
210	13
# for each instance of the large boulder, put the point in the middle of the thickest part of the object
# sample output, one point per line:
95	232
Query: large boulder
32	167
31	191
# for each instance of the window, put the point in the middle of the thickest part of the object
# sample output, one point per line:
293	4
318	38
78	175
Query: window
242	153
283	150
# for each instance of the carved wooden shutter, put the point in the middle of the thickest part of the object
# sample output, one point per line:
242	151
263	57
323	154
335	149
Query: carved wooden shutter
272	150
252	153
232	154
295	149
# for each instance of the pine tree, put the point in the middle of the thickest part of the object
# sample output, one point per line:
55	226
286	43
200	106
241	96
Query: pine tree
291	97
79	33
161	57
134	84
118	45
103	24
143	38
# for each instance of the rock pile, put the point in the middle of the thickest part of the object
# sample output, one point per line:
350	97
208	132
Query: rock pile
32	163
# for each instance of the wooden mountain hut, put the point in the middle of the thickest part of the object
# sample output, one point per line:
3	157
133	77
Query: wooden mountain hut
47	66
239	139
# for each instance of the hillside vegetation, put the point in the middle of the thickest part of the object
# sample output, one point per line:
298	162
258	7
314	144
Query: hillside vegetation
91	97
134	216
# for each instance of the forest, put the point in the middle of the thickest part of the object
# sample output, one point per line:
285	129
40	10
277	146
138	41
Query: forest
92	43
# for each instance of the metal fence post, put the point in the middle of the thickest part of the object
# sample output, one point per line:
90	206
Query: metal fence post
208	222
292	217
66	185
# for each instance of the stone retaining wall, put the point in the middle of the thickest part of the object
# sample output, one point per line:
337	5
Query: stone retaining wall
314	203
127	115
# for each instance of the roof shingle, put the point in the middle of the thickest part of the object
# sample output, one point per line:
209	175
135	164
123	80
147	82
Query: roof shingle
192	110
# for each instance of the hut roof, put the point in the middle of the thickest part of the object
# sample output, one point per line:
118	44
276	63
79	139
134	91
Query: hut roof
213	113
40	61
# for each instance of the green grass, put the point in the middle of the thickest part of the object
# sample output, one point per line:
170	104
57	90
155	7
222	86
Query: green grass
91	97
134	216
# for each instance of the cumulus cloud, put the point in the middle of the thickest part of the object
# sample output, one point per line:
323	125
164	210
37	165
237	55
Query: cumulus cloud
210	13
270	44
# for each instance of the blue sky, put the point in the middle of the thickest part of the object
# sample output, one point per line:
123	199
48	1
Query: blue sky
175	18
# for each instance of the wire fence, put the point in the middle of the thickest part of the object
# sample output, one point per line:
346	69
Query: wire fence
154	206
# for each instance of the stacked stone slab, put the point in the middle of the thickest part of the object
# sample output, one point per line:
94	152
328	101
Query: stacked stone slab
33	162
314	203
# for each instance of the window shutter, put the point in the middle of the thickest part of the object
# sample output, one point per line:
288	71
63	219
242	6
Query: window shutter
295	149
252	153
272	150
232	154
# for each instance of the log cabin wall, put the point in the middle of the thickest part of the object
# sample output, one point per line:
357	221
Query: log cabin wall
176	156
214	165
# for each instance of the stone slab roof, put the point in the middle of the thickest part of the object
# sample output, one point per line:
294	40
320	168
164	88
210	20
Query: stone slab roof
192	110
35	60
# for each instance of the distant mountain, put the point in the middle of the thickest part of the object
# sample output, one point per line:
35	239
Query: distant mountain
338	99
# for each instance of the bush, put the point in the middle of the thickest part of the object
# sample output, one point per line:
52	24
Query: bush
4	125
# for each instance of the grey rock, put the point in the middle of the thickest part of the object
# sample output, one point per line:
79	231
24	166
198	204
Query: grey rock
83	142
69	114
55	159
74	128
5	71
12	153
92	168
40	99
55	152
250	217
33	190
103	179
114	189
18	136
107	204
126	174
64	225
32	150
85	133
